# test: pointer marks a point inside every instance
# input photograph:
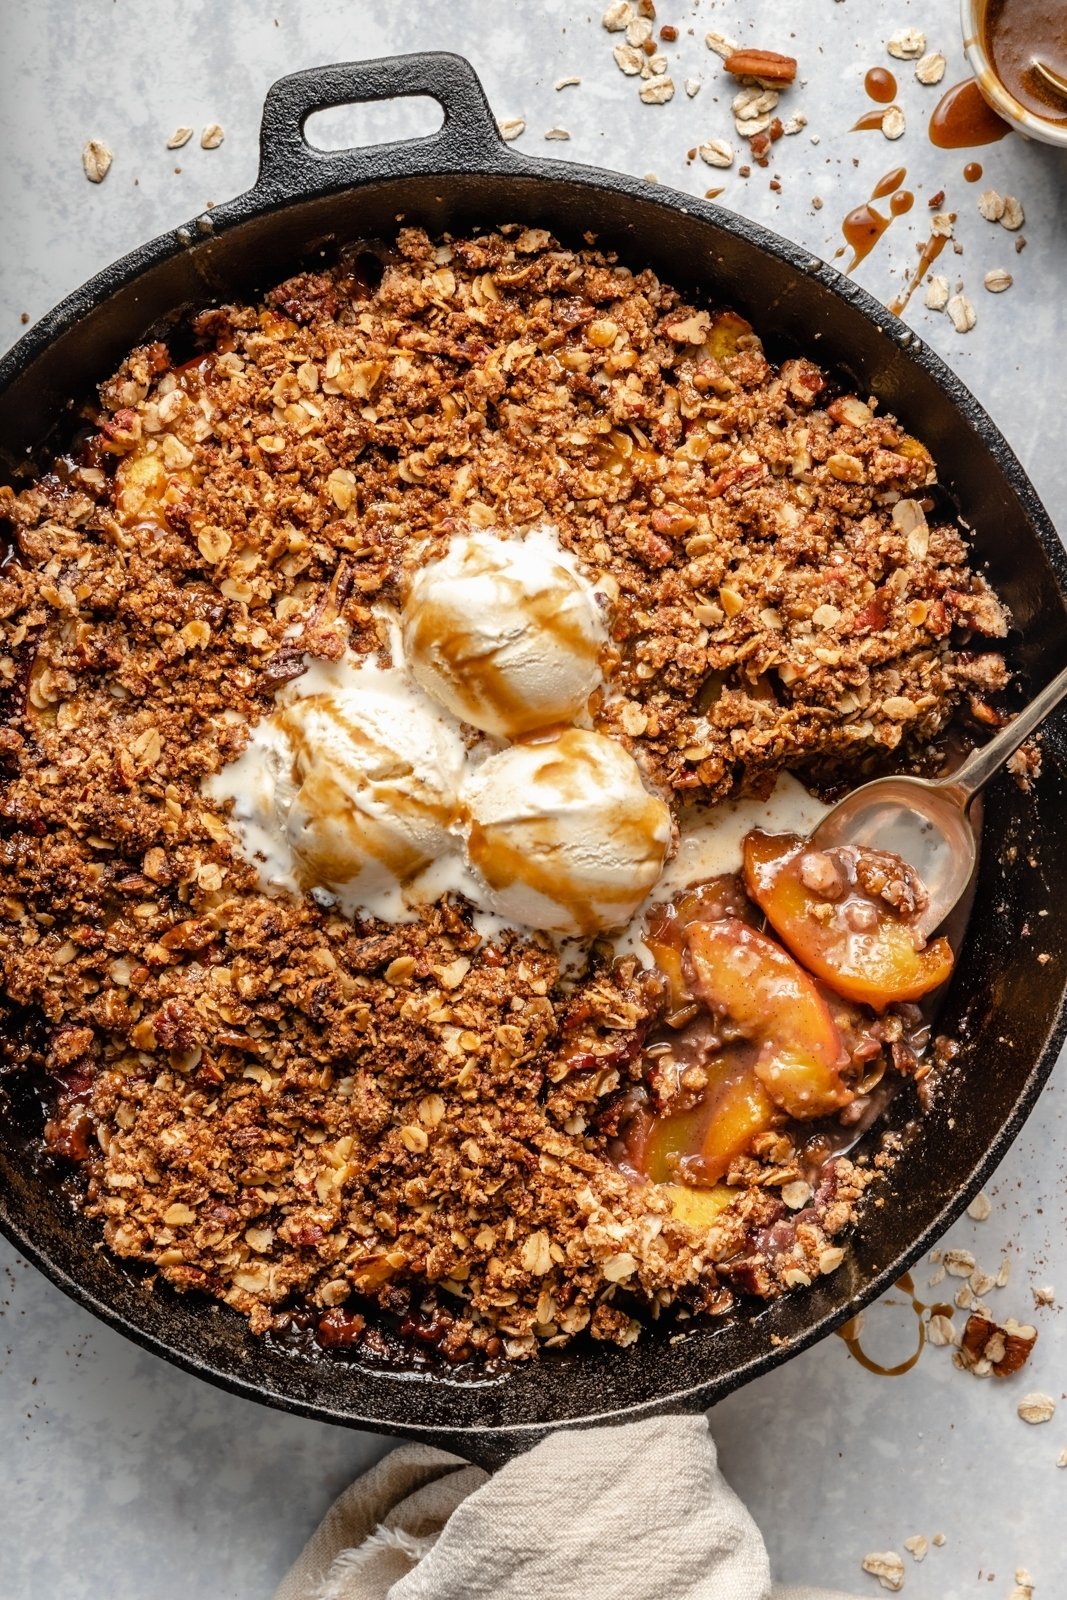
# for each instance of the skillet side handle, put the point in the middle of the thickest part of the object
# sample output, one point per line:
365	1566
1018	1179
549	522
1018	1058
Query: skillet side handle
468	139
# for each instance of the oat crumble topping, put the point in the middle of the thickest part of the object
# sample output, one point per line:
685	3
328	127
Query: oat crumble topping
278	1106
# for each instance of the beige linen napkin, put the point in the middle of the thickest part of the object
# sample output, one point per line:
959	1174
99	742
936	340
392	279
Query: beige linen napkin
635	1512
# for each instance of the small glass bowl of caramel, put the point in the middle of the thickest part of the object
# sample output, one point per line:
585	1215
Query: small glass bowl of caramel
1003	40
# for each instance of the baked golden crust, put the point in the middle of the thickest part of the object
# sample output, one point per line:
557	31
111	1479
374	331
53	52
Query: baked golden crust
273	1102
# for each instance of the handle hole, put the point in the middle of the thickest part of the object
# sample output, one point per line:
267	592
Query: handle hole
351	127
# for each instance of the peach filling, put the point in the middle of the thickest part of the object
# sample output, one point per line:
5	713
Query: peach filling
761	1035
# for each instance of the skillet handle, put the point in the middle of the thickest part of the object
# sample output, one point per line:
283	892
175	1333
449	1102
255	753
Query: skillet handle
468	138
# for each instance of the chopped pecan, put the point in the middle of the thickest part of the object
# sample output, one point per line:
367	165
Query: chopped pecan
1000	1348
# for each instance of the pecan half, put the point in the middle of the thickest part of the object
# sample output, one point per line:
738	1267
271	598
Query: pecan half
767	65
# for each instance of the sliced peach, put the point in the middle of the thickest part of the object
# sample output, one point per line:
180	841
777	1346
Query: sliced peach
668	958
743	976
742	1110
725	334
721	1127
699	1208
875	965
720	897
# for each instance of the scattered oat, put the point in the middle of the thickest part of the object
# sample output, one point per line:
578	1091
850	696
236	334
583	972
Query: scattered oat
616	17
639	31
692	87
917	1546
567	83
894	123
958	1263
1045	1295
657	64
1024	1585
906	44
991	205
980	1207
1036	1407
796	1195
1012	216
963	318
938	1540
937	300
998	280
941	224
887	1567
749	104
941	1330
721	44
557	133
511	128
717	153
795	124
179	137
931	69
212	136
658	92
1061	1459
628	60
1003	1272
96	159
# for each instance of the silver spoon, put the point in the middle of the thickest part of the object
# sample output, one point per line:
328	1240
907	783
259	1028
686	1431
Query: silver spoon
1051	76
927	822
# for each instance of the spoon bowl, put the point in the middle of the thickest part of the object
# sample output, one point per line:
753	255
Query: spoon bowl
927	822
924	823
1051	77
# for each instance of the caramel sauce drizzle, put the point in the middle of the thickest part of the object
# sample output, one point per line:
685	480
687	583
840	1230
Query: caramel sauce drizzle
849	1334
864	226
869	121
930	252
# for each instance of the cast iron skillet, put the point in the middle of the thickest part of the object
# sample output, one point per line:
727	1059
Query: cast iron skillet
1006	1007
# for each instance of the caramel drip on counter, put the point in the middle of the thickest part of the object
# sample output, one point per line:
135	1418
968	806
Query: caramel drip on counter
972	172
931	250
864	226
880	85
963	118
889	184
868	122
849	1334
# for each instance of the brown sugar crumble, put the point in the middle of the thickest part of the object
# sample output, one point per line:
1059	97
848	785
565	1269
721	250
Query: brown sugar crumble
301	1114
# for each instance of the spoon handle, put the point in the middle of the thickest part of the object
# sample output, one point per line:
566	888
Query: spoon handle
979	767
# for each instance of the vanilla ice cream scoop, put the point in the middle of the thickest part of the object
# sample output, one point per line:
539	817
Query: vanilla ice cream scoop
378	784
563	833
505	633
350	786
